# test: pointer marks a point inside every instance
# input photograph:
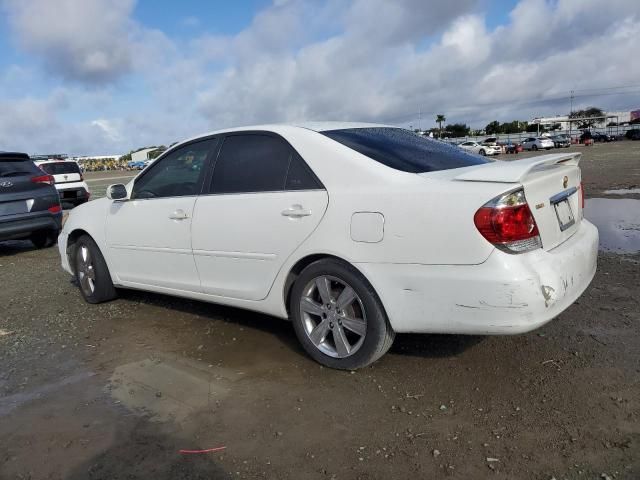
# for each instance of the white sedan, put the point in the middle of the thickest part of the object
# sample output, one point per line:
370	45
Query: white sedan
538	143
480	149
352	231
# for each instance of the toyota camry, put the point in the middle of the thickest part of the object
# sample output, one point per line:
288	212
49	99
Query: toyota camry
354	232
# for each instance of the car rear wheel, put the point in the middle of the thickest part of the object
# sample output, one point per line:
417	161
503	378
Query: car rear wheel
534	148
338	317
44	238
92	273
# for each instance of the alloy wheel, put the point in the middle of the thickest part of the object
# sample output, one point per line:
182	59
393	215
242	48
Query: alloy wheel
86	270
333	316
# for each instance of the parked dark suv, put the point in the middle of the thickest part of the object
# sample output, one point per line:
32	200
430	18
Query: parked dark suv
29	203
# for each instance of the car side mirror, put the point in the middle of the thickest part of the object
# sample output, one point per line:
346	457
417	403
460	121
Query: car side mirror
117	192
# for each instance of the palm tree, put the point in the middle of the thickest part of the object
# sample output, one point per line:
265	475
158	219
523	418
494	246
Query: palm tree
440	119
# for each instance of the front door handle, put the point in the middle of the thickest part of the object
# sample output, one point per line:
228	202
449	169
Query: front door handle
179	215
296	211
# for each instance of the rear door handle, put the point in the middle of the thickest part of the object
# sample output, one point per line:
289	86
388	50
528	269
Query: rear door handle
179	215
296	211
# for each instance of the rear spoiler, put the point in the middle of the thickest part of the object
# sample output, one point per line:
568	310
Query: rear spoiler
515	171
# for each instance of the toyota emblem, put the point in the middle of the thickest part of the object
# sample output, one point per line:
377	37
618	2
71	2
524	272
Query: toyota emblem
6	184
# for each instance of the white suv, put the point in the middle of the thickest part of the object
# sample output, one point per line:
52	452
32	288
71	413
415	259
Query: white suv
68	180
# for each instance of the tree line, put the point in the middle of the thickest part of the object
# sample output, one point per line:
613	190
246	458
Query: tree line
589	118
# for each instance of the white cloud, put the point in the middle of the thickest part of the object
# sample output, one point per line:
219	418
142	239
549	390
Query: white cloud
77	39
372	60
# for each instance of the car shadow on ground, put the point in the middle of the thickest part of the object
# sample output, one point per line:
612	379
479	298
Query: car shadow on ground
15	247
214	312
422	345
433	346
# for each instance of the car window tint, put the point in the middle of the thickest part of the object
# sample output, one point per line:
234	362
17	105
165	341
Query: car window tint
18	167
404	150
59	168
299	176
177	174
251	163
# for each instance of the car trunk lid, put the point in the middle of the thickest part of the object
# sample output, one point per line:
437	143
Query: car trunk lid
62	172
552	186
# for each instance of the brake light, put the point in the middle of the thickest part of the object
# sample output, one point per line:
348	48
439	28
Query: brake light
508	224
581	195
55	208
48	179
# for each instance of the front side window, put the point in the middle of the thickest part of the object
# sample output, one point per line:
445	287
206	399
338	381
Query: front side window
177	174
404	150
251	163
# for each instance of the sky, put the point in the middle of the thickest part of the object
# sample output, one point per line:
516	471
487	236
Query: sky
94	77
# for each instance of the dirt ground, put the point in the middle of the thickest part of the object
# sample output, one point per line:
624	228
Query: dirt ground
116	390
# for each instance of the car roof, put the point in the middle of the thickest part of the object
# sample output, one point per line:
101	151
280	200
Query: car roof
13	156
279	127
315	126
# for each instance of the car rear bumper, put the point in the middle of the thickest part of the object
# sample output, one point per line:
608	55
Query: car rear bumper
507	294
73	192
22	225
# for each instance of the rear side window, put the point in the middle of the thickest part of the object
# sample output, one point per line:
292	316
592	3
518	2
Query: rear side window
17	167
404	150
59	168
299	176
251	163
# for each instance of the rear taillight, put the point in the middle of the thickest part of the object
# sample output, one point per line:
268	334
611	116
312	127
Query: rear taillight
55	208
581	195
48	179
508	224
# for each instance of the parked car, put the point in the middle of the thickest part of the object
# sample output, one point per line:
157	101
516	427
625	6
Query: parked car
480	149
136	165
633	134
561	141
69	180
603	137
538	143
511	147
586	138
29	203
352	231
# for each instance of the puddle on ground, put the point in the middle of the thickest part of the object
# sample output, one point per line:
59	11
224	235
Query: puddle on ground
618	222
167	389
623	191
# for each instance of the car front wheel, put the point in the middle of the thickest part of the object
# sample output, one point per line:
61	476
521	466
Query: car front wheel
92	273
338	317
482	152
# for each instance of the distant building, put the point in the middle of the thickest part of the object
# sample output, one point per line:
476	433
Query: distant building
563	120
142	155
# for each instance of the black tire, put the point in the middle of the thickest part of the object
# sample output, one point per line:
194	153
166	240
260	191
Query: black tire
534	147
44	238
378	336
103	289
482	152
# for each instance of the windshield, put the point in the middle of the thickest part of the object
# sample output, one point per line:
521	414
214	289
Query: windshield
404	150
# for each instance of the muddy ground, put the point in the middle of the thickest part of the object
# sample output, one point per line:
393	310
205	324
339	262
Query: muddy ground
116	390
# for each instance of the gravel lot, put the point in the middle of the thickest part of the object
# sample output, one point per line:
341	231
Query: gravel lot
116	390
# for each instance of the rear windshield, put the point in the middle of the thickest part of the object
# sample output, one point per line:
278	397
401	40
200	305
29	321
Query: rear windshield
11	167
404	150
58	168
